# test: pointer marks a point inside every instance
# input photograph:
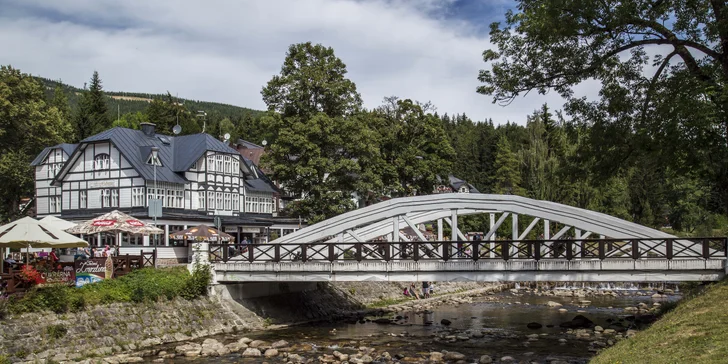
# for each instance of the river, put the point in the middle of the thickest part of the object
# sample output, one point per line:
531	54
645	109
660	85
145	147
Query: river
493	325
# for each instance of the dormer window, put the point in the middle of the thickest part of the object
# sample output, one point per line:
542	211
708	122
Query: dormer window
153	158
464	189
101	162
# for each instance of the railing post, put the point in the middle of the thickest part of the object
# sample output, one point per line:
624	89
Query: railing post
358	251
415	250
537	250
303	253
635	249
277	253
569	250
706	248
331	252
251	253
445	250
476	250
505	250
602	252
224	252
387	252
668	248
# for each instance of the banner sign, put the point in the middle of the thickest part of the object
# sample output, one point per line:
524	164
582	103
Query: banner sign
64	276
135	223
90	271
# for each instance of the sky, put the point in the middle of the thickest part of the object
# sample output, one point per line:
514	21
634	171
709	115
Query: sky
226	51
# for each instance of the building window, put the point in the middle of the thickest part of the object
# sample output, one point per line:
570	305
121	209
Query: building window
137	196
109	198
227	202
236	202
54	204
211	163
220	204
228	163
248	204
236	167
201	200
179	199
211	200
82	200
53	169
219	167
101	162
464	189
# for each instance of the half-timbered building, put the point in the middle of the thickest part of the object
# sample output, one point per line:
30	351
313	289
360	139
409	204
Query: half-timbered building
197	177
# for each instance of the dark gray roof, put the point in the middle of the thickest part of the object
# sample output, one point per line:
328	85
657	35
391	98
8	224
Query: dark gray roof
259	185
456	183
176	157
67	148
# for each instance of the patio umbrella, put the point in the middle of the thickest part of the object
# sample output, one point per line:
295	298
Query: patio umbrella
117	222
57	223
201	233
28	232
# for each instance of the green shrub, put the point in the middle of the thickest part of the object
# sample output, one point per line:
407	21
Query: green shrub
197	284
56	331
4	359
78	303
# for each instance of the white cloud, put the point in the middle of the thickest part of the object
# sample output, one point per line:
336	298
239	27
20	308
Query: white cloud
226	51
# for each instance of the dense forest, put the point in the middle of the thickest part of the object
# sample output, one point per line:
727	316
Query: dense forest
650	149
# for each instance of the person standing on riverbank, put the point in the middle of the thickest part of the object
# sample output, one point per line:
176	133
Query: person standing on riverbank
425	289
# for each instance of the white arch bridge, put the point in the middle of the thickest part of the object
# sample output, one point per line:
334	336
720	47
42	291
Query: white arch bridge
546	241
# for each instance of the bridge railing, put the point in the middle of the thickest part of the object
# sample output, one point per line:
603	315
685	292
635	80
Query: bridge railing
569	249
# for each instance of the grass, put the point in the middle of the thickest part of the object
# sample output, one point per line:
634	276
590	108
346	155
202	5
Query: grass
696	332
144	285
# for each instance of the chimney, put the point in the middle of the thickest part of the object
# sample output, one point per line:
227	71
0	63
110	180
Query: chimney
148	129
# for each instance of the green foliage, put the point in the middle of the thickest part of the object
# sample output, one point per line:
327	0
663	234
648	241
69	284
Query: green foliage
56	331
27	125
131	120
168	112
4	359
144	285
507	172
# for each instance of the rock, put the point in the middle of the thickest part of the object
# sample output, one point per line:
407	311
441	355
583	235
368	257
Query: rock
534	325
245	341
598	329
188	349
436	357
279	344
563	310
366	359
382	321
486	359
553	304
295	358
507	359
251	352
445	322
453	356
212	347
270	353
462	337
257	343
563	341
582	322
477	335
235	347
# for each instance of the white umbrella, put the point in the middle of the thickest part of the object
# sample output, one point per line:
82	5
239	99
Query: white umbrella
57	223
28	232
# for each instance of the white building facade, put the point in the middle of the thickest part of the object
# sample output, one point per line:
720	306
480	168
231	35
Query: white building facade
197	177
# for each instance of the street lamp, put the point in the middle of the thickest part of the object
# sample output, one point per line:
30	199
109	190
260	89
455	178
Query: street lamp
155	156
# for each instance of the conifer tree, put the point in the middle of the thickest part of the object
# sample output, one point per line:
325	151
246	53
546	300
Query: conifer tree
507	172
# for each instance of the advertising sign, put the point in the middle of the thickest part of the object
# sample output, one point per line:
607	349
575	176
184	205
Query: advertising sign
63	276
90	271
136	223
103	222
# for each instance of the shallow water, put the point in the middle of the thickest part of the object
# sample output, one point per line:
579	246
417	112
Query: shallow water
503	323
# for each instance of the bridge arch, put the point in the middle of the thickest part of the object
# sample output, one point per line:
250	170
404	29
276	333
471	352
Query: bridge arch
383	218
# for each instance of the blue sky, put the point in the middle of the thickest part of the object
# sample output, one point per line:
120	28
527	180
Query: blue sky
225	51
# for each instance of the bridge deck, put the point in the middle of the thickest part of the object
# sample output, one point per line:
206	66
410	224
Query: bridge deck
650	259
623	270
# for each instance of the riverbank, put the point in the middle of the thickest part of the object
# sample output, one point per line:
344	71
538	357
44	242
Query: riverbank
696	331
130	330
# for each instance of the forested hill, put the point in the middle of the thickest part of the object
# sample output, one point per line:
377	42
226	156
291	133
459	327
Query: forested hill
132	102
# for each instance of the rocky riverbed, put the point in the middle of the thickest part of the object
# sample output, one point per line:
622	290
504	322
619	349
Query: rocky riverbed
516	326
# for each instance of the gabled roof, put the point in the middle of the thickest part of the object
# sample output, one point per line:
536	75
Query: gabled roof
67	148
189	148
176	156
259	185
456	183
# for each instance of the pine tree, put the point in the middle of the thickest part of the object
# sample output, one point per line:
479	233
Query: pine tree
96	101
507	172
60	102
83	124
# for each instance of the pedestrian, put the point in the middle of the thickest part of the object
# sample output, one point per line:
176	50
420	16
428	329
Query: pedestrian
413	291
425	289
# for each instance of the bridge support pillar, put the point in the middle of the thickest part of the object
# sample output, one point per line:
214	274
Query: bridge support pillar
201	256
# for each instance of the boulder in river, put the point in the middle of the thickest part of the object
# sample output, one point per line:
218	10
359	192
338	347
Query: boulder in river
553	304
486	359
445	322
383	321
453	356
534	325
